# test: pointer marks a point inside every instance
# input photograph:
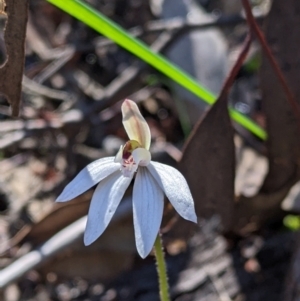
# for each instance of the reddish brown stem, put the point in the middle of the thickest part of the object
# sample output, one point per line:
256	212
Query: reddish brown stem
235	69
256	29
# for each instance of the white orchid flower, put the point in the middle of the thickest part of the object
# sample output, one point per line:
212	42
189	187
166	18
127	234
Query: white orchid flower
152	181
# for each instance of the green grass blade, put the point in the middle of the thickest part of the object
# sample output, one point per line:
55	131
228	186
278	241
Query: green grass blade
111	30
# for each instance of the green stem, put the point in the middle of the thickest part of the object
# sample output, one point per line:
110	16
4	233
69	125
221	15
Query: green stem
161	270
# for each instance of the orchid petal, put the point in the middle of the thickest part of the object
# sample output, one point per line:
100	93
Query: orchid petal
104	203
135	124
141	156
176	189
147	202
88	177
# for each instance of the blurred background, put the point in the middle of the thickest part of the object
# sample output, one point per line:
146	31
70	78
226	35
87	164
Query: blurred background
245	187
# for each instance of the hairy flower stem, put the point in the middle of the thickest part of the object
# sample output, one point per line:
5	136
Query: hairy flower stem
161	270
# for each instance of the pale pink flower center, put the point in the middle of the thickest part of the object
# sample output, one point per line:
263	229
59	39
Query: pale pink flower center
128	166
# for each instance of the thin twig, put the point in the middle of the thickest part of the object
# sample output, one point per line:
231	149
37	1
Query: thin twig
32	86
219	287
11	138
54	66
38	44
235	69
260	35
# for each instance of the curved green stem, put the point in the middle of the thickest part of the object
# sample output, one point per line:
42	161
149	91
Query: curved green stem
161	270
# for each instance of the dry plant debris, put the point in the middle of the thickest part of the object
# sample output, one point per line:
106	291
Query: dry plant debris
72	85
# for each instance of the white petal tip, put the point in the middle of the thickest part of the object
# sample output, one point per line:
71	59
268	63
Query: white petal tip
189	216
193	219
61	198
59	201
144	248
87	240
89	237
143	254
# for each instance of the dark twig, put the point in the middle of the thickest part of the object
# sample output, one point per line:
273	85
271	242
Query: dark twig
256	29
235	69
12	70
